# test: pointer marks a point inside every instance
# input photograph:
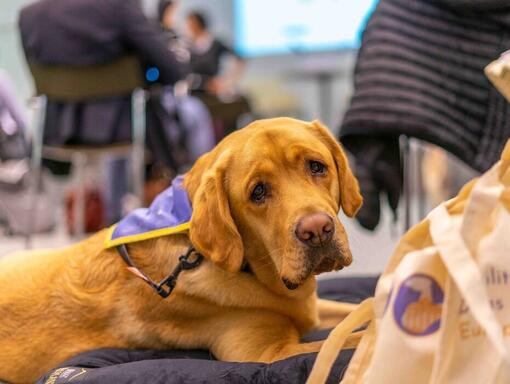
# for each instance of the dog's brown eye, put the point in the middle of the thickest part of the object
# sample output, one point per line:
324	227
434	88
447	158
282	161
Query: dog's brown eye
317	168
258	194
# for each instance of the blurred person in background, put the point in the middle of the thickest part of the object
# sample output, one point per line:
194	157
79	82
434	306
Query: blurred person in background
167	10
89	32
195	124
206	55
218	91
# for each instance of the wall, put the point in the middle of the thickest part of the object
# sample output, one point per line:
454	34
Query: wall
11	55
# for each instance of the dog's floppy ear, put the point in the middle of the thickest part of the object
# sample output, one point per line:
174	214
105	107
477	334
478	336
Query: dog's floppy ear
350	197
212	229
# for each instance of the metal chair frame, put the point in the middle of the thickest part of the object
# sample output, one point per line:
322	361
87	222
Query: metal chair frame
411	154
92	83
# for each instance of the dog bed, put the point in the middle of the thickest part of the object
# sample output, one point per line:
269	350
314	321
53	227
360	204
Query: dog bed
194	366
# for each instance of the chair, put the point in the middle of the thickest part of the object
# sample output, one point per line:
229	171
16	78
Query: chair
81	84
412	153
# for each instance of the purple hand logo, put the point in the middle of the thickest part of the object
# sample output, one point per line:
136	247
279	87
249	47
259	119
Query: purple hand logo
418	305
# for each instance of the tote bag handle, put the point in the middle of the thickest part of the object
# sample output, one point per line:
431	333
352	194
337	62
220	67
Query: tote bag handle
336	340
458	259
483	199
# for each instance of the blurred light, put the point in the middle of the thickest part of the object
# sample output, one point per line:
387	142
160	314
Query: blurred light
301	25
152	74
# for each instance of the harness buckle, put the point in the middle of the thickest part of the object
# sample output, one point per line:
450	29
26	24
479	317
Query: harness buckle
184	259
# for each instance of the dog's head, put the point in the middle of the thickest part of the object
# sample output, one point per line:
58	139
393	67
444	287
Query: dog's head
269	195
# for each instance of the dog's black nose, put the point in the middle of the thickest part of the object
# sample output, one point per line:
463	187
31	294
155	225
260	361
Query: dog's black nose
315	230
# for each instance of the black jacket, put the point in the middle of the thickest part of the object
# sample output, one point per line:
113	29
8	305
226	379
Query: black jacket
420	73
87	32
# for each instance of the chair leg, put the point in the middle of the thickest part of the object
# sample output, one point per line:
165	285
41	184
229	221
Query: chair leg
412	157
138	104
79	164
36	164
420	188
405	149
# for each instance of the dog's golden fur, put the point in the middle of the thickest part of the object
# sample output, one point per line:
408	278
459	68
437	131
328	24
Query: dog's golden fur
55	304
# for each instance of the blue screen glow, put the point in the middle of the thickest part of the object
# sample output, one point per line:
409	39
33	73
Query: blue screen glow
266	27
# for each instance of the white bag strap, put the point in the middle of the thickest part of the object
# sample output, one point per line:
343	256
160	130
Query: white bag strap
466	274
483	199
336	340
356	370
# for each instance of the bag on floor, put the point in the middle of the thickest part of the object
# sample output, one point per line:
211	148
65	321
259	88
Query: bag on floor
13	144
94	211
441	312
20	214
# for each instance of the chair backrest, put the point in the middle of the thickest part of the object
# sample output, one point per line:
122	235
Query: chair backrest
79	83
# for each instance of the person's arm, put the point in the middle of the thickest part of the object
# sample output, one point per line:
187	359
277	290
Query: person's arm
236	72
148	43
228	81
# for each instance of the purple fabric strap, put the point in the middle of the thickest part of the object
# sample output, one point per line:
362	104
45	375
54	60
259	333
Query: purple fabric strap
170	213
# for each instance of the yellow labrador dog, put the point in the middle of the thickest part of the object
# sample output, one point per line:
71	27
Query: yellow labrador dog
266	198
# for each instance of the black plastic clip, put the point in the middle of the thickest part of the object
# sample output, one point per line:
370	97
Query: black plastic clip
183	265
165	287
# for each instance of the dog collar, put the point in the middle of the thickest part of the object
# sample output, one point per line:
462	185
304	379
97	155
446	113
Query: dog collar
169	214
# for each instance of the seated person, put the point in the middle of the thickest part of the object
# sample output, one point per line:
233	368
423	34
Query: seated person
166	17
167	10
217	91
195	121
206	54
89	32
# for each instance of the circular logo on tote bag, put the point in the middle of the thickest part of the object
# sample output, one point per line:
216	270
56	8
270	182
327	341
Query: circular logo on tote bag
418	305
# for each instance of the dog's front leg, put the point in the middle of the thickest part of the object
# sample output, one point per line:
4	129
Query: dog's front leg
261	337
333	312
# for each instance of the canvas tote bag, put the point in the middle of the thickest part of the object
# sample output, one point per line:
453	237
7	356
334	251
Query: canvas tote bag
441	312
